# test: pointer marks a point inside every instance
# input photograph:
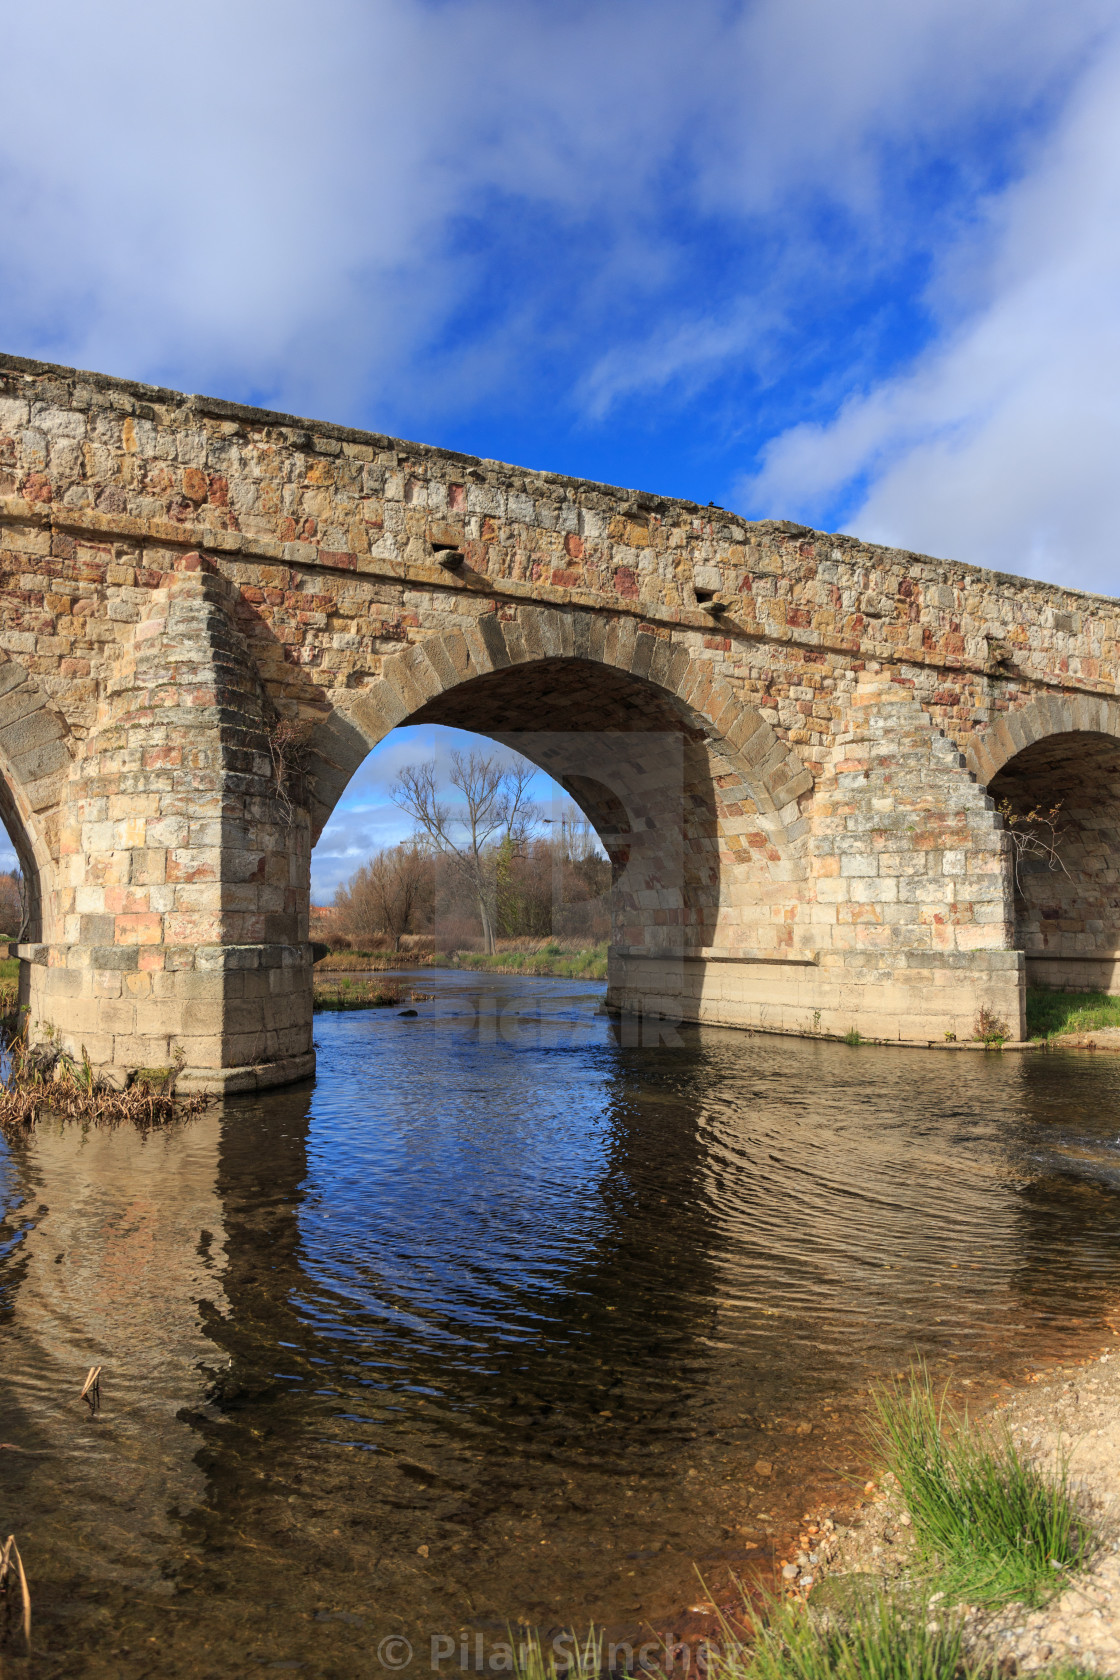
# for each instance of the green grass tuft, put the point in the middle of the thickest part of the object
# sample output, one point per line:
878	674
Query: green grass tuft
1051	1013
574	1660
1070	1671
993	1526
876	1638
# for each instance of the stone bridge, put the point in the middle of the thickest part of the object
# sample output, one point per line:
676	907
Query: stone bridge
794	745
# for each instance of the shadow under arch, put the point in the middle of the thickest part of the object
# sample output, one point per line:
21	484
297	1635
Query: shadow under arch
35	756
1065	790
601	702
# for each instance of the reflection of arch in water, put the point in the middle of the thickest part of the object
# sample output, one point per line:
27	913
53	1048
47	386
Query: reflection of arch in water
705	792
1064	756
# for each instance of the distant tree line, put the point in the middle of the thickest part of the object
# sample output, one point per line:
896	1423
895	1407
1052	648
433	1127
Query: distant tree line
483	864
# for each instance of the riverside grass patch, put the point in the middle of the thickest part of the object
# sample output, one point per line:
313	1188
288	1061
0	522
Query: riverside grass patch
877	1637
992	1526
356	993
551	959
1051	1013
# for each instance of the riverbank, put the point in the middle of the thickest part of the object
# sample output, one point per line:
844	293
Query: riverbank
358	992
553	960
558	959
1065	1423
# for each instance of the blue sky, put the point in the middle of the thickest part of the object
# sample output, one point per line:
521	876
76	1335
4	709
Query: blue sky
854	262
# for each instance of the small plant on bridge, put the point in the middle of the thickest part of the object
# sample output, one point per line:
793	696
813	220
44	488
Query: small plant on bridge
287	750
990	1029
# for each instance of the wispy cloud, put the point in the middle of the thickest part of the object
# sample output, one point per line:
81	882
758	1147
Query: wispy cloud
999	445
392	209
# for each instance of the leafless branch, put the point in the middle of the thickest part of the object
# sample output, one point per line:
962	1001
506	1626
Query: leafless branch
287	748
1035	836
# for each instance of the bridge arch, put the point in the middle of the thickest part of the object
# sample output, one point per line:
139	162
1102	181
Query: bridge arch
1059	758
36	750
705	831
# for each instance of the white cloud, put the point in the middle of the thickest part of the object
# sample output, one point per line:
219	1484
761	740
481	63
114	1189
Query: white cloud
389	209
321	206
1001	445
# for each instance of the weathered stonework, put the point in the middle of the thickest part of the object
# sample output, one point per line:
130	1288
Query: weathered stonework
181	576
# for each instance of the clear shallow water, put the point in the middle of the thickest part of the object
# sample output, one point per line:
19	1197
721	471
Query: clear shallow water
500	1287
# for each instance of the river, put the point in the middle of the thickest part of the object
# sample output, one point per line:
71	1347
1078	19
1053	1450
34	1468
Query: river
504	1320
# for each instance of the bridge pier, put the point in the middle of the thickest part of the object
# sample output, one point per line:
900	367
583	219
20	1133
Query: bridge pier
178	898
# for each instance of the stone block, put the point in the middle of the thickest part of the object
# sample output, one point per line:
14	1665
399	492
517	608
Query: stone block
874	891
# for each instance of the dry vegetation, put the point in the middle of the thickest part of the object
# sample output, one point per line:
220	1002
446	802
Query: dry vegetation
43	1079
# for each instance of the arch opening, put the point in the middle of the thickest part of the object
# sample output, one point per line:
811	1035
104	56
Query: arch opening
1063	794
696	837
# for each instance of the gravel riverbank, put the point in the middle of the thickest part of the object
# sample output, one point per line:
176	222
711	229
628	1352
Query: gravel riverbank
1070	1415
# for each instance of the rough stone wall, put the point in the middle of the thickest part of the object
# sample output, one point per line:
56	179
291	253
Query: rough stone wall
843	707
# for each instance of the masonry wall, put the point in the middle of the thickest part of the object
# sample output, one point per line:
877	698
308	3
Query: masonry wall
178	576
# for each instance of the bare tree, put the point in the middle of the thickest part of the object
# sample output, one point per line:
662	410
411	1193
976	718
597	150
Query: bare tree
493	808
389	894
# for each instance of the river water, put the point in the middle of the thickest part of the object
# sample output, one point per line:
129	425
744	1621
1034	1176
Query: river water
504	1320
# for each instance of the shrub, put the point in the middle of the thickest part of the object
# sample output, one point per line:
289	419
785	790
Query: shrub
990	1029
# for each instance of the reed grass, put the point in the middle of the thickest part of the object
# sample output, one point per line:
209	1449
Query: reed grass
579	1661
13	1585
994	1526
